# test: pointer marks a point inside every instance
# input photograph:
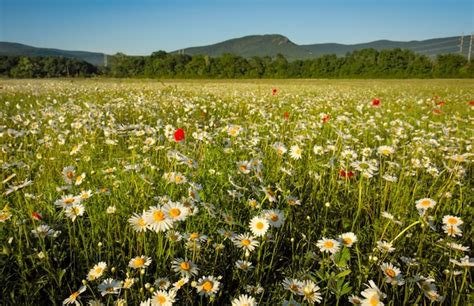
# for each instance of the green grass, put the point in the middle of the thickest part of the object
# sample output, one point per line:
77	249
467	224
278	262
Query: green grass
119	133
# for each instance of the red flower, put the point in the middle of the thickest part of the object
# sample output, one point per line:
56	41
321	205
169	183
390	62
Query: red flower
286	115
440	103
274	91
471	103
437	111
376	102
326	118
179	135
345	174
37	216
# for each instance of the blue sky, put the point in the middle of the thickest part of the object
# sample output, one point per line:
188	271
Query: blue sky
143	26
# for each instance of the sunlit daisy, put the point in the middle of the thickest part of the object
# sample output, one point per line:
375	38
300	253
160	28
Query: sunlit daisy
274	216
246	242
185	267
244	265
109	286
157	219
74	211
97	271
449	220
207	285
244	300
296	152
328	245
310	292
292	285
138	222
385	150
72	299
259	226
175	211
139	262
348	239
425	203
163	298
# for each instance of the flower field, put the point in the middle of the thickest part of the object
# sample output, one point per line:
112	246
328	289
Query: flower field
236	193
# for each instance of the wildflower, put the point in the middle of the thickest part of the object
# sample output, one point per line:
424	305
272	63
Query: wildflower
163	298
68	200
458	247
157	220
385	150
97	271
37	216
179	135
452	230
275	217
385	246
292	285
80	179
175	211
244	167
128	282
310	292
109	286
111	210
162	283
328	245
463	262
5	213
293	201
259	226
295	152
74	211
425	203
207	285
393	274
375	102
355	300
43	231
180	283
244	265
234	130
449	220
138	222
372	295
72	299
185	267
274	91
139	262
69	173
244	300
346	174
245	242
348	239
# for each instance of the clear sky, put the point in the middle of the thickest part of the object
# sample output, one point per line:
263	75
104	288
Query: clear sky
142	26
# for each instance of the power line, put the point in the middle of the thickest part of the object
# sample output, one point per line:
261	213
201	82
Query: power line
462	43
434	44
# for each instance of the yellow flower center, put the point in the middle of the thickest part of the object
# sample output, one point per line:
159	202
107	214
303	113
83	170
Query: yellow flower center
139	262
246	242
390	272
374	300
274	218
70	174
141	222
452	221
68	200
184	265
425	203
207	286
74	296
175	212
328	244
347	240
161	299
158	216
194	236
260	225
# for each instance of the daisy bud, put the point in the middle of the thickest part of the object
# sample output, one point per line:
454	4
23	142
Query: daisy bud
113	269
99	244
327	204
151	289
193	284
147	286
308	218
292	239
84	282
142	271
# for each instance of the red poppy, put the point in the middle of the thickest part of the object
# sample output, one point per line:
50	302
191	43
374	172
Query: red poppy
471	103
326	118
437	111
286	115
179	135
376	102
346	174
440	103
37	216
274	91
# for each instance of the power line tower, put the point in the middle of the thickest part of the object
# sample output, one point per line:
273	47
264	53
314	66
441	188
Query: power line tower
105	60
462	43
470	49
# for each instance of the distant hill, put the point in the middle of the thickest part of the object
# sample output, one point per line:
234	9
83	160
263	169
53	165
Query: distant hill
9	48
261	45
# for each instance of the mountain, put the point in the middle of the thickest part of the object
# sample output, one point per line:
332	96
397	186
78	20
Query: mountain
254	45
261	45
16	49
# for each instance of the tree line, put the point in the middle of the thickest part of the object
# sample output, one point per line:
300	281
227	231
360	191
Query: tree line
366	63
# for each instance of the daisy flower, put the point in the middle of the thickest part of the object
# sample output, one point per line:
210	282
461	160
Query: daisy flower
372	295
280	148
157	220
452	231
69	173
74	211
207	285
449	220
162	283
425	203
393	274
328	245
97	271
246	242
72	299
163	298
175	211
259	226
43	231
180	283
139	262
292	285
385	246
275	217
67	200
244	265
296	152
348	239
138	222
310	292
385	150
109	286
185	267
244	300
244	166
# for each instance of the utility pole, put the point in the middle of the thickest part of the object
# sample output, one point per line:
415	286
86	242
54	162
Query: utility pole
462	43
470	49
105	60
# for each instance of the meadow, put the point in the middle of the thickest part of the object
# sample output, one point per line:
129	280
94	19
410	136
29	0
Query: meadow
271	192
